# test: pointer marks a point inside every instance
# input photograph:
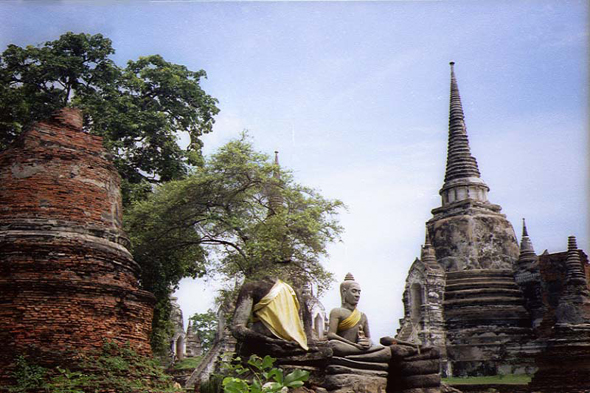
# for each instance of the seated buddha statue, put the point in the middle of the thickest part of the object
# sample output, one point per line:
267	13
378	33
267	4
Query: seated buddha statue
270	319
349	335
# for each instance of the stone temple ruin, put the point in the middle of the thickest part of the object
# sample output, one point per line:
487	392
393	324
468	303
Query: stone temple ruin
476	301
490	305
67	280
182	343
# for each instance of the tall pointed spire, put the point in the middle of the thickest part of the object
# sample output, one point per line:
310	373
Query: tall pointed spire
462	177
460	162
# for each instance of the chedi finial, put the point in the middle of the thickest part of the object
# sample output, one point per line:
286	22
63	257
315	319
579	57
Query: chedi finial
524	231
349	277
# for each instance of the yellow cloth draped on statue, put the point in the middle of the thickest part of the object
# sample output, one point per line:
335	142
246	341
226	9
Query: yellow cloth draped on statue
279	312
350	321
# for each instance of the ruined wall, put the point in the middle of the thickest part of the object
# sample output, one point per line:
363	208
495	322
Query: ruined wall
546	288
564	365
67	280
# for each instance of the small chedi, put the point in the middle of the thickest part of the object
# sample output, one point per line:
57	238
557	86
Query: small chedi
490	305
67	279
270	320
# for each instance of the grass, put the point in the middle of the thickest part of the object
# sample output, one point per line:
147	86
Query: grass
521	379
188	363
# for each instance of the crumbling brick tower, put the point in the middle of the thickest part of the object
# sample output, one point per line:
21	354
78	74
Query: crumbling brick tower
67	280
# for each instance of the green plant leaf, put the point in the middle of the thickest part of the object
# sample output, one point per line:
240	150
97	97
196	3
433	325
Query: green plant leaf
256	362
296	378
267	362
235	385
276	374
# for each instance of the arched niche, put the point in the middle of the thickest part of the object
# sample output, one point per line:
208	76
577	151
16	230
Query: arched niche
416	301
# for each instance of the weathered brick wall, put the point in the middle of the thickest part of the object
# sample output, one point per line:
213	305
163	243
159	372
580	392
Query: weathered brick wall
67	280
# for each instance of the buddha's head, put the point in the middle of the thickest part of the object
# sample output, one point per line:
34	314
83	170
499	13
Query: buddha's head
350	291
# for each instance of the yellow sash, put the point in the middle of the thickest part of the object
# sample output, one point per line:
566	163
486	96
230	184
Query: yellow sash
279	312
351	321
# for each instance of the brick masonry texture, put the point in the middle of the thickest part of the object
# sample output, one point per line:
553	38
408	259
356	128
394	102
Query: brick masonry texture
67	280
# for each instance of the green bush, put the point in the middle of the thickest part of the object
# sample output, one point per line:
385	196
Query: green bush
260	376
28	376
213	385
114	368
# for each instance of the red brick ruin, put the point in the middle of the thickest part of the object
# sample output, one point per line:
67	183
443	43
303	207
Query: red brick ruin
67	279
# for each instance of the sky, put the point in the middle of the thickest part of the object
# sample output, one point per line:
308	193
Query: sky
354	95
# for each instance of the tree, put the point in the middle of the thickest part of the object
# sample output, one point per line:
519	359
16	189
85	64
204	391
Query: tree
205	325
222	218
139	110
238	216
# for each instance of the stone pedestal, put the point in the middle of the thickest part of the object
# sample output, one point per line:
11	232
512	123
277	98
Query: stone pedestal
409	371
565	365
353	381
414	372
485	317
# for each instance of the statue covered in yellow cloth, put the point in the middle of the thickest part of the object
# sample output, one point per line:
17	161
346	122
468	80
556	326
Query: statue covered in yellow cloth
270	319
279	310
349	335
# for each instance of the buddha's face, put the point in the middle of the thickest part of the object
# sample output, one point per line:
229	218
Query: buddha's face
352	294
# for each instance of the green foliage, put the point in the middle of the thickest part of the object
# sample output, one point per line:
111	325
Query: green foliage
67	381
162	326
240	216
114	368
28	376
138	110
205	325
213	385
260	376
188	363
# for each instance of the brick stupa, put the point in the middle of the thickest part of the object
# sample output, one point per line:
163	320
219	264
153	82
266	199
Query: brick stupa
67	279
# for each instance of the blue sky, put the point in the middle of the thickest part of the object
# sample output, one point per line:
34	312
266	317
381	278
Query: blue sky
354	95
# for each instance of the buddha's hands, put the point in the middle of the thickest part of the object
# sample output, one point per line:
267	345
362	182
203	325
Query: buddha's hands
364	343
